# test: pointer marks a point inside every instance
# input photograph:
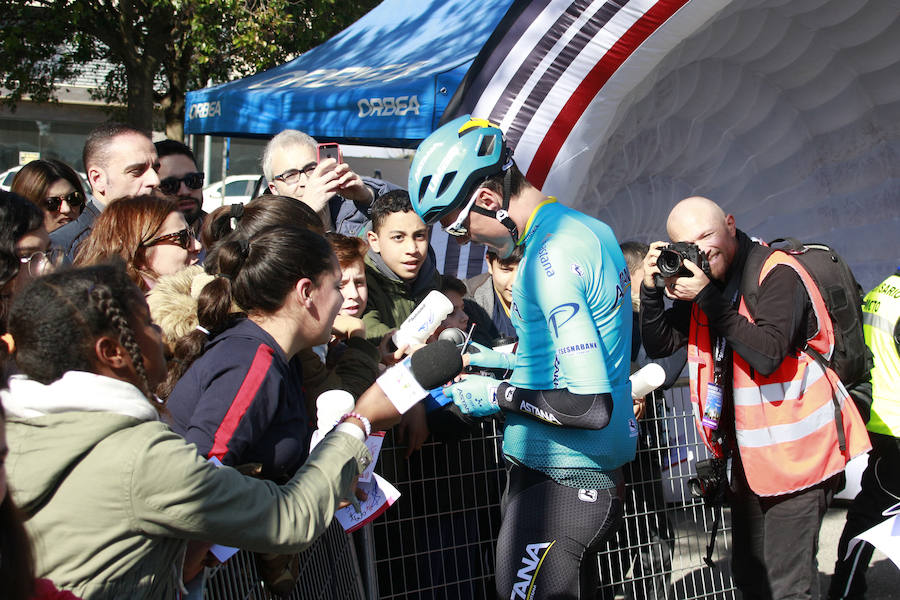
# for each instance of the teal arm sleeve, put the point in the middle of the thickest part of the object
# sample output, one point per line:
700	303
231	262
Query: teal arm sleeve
486	358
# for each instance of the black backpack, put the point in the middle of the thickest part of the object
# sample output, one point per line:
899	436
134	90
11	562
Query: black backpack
843	296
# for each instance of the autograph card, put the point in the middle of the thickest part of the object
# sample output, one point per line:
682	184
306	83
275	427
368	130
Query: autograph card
381	496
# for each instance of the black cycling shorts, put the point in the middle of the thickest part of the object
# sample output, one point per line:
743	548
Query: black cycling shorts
550	536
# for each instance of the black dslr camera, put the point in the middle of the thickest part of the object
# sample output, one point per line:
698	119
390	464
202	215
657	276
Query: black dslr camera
711	480
671	261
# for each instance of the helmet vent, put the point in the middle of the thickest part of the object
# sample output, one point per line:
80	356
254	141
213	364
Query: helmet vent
423	186
486	148
446	182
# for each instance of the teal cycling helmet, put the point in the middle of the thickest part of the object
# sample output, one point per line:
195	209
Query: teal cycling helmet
451	162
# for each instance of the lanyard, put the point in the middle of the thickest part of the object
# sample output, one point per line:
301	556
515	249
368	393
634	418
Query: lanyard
719	352
719	361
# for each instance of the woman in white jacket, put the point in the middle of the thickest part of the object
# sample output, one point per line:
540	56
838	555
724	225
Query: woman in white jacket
111	494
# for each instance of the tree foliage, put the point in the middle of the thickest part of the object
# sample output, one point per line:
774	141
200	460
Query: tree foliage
159	48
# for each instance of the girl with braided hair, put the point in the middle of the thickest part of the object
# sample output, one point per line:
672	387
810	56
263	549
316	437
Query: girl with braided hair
110	493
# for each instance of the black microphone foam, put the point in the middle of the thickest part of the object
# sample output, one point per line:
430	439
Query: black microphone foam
436	364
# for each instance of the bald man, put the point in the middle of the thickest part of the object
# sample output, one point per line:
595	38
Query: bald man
762	404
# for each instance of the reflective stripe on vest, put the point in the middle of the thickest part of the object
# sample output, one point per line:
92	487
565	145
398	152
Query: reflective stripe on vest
785	422
879	329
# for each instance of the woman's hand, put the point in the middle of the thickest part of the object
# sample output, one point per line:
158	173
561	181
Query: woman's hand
358	493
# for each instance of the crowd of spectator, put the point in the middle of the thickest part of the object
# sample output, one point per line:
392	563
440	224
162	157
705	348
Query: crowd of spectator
147	343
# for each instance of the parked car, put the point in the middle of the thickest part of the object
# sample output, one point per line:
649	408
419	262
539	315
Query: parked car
6	179
238	189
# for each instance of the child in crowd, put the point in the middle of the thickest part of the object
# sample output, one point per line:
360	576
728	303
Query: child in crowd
400	265
400	271
455	290
351	253
490	298
350	355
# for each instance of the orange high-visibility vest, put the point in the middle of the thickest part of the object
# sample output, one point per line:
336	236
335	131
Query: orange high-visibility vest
787	422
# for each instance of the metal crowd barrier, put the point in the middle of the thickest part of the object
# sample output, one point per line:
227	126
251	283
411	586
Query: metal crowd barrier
437	541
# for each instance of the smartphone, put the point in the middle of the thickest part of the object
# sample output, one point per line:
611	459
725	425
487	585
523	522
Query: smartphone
329	150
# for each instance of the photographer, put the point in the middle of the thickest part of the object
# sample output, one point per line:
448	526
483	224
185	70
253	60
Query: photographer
761	403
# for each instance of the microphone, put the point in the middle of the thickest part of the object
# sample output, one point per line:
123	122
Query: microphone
452	334
408	381
459	338
646	379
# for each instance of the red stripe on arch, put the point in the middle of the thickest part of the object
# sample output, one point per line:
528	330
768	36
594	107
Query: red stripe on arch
242	400
590	86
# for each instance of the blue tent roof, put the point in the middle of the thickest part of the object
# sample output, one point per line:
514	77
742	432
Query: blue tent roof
384	80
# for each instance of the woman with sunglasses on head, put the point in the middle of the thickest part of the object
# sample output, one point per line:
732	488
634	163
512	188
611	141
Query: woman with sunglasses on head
24	254
110	493
148	232
54	187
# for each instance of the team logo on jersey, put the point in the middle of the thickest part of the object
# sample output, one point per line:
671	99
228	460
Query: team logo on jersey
544	259
561	315
534	556
623	287
515	310
538	413
577	348
587	495
508	394
633	429
576	268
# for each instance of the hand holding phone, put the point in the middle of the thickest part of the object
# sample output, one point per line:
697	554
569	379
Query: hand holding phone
329	150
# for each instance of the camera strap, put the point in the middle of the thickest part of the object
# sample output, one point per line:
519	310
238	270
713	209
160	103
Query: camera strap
712	537
716	504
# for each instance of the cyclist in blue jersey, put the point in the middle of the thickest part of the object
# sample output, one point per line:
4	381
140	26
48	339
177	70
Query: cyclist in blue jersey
569	421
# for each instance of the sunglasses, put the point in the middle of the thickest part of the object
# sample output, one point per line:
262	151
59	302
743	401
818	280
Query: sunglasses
184	238
458	228
170	185
73	199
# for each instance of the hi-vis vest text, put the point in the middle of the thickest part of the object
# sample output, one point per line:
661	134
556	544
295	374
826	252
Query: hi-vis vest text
881	310
786	423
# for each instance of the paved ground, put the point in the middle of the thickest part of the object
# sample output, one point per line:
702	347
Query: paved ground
691	580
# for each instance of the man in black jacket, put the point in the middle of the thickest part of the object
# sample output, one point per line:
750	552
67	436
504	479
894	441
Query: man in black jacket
120	161
775	535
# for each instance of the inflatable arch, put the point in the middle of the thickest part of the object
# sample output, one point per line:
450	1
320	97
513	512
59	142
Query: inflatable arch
785	112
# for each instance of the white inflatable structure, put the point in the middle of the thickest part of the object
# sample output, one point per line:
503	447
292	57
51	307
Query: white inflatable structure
785	112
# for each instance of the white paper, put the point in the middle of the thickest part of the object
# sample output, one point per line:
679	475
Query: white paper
373	443
381	496
885	536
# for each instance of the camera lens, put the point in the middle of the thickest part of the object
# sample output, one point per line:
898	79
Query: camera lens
669	263
695	488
